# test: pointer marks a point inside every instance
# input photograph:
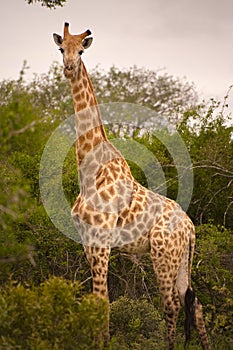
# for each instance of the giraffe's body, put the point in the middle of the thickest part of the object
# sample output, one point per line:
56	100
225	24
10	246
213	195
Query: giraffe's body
114	210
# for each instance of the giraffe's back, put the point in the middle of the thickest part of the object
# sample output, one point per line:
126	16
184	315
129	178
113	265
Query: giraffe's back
150	215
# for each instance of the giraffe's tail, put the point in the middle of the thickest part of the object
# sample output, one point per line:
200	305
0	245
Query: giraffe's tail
189	302
189	314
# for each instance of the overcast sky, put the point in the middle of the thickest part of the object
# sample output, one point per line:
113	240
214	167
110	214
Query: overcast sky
191	38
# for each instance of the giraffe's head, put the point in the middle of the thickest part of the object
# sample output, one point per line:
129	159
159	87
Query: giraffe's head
72	47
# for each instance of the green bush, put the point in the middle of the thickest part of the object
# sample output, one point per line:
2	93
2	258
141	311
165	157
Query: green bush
51	316
136	325
212	276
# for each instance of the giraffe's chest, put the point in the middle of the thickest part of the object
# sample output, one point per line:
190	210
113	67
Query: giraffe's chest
126	228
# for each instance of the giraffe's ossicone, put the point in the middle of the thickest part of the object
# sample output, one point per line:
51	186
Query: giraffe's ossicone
114	210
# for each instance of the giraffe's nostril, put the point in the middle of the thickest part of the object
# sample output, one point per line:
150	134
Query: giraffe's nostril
69	67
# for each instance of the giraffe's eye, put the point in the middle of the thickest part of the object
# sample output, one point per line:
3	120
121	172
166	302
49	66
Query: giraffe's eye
61	49
80	52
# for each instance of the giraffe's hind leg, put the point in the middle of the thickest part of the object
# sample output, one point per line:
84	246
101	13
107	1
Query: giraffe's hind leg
200	325
193	308
170	298
194	315
171	308
186	295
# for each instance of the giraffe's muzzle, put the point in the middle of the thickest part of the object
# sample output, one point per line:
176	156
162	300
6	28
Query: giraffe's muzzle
69	71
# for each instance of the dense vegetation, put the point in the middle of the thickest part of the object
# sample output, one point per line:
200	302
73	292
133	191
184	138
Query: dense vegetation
45	279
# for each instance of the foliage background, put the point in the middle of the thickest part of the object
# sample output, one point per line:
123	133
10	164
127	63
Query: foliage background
45	279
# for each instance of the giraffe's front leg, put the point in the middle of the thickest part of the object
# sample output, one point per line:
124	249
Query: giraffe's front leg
98	259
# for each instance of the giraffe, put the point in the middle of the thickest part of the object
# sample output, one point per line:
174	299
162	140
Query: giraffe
114	210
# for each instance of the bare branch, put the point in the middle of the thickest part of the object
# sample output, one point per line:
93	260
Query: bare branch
29	254
225	213
22	130
8	211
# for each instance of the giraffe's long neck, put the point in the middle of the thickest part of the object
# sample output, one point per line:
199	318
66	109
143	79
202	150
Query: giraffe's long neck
89	127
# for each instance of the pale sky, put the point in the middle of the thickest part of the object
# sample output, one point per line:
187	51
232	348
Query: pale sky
191	38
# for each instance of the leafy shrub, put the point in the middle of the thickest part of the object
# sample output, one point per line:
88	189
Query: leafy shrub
212	274
51	316
32	249
136	325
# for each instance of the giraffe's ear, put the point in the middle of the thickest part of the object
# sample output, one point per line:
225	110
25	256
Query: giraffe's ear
87	42
58	39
